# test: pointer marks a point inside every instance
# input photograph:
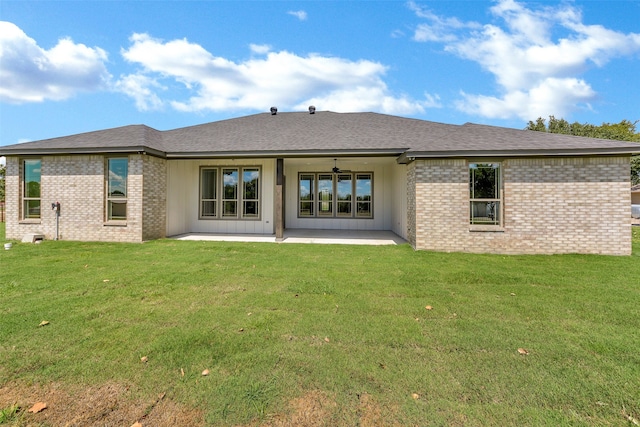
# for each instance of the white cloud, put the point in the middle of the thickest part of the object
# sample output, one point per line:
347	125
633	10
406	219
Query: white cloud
278	78
552	94
300	14
260	49
437	29
140	88
370	99
29	73
537	74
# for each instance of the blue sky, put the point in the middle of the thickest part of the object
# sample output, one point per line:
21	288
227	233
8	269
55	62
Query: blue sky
68	67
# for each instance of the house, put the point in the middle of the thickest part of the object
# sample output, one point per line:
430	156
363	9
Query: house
442	187
635	205
635	195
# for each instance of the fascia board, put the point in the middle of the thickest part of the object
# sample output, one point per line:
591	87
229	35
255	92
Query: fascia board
85	150
283	154
410	155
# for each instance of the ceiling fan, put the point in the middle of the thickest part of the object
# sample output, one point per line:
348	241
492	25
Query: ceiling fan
336	169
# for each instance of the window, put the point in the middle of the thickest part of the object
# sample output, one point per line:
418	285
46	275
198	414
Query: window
117	188
344	191
208	187
235	195
341	195
364	195
306	192
250	191
485	193
230	193
31	189
325	195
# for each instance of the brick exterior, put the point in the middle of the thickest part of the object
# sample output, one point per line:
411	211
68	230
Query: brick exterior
78	184
411	203
551	205
441	204
154	223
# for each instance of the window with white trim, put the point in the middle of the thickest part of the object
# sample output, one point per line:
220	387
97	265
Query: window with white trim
250	192
117	175
335	195
229	192
31	202
485	193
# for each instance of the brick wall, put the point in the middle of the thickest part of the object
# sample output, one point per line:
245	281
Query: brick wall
78	184
154	218
551	205
442	204
12	197
411	203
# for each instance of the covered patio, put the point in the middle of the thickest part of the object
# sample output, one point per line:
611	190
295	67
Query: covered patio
315	236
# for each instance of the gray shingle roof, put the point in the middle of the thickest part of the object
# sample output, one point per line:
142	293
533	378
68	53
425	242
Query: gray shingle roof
324	133
116	140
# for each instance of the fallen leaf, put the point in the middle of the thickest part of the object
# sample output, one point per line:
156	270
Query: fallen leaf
205	372
512	294
326	339
161	396
37	407
105	280
181	372
523	351
136	424
249	314
415	396
144	359
241	330
429	307
44	323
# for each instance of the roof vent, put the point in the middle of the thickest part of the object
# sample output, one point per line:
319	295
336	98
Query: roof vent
312	109
274	111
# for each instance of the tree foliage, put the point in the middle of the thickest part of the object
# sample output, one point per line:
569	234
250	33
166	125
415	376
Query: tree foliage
623	131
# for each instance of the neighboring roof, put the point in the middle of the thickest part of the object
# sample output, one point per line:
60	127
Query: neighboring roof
324	134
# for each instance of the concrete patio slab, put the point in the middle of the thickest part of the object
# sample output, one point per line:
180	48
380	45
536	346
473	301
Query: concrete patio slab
313	236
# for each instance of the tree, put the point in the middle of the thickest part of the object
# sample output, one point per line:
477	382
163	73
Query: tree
623	131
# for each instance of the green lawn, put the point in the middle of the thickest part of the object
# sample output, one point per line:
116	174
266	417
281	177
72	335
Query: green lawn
273	323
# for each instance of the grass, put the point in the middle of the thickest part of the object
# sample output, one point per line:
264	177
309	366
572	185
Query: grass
9	414
274	322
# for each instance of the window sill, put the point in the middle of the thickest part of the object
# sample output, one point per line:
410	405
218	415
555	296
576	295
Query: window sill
115	224
212	218
334	217
486	228
30	221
